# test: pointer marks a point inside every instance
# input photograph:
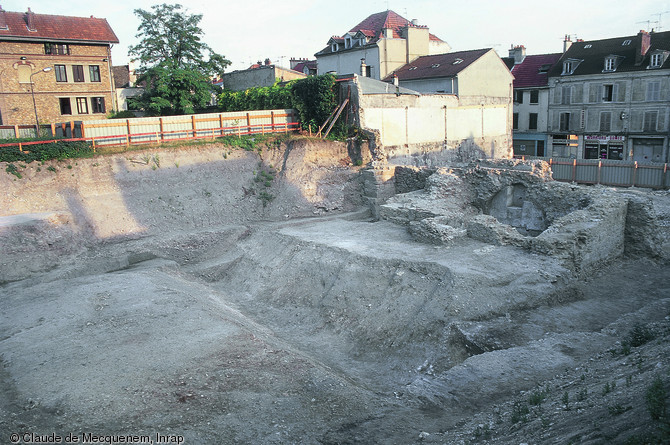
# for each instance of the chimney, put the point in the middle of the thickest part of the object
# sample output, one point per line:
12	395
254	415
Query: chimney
518	53
3	19
363	67
267	62
395	79
567	43
645	42
30	20
132	77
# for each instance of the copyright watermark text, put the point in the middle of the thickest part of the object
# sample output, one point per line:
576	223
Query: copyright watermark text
86	437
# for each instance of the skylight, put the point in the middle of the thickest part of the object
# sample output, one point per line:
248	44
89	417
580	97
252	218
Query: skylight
435	65
457	61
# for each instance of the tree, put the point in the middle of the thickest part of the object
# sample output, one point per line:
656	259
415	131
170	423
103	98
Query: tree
173	66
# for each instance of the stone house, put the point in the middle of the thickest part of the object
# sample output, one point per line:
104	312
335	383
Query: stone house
64	62
610	99
377	46
261	74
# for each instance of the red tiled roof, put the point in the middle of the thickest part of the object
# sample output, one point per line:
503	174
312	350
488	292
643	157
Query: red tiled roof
310	64
438	65
374	24
57	28
527	73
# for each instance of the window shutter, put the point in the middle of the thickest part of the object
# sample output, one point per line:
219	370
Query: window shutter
621	94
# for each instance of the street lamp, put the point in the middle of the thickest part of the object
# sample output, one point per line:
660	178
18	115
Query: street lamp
32	93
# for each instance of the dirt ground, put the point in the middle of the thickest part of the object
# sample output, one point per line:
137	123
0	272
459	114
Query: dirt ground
182	292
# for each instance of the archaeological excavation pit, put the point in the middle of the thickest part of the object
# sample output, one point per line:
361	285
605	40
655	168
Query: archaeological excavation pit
190	306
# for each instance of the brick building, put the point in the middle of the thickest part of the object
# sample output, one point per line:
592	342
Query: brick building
67	62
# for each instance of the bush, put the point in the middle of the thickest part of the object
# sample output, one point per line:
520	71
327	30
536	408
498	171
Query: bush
46	151
656	399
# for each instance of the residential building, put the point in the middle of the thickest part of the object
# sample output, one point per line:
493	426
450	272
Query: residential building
125	83
531	100
307	67
64	63
380	44
261	74
610	99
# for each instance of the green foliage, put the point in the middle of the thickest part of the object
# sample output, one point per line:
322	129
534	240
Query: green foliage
173	91
12	170
173	68
125	114
258	98
639	335
537	397
314	98
171	38
44	152
655	397
266	198
520	412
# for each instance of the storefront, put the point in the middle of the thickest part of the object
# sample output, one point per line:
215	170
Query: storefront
529	146
648	150
564	146
604	147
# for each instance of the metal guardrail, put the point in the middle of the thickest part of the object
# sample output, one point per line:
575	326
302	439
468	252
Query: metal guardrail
607	172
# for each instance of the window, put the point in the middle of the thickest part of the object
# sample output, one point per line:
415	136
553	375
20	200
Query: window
610	64
608	93
656	60
78	73
24	72
61	73
97	104
654	90
94	73
368	71
532	121
534	96
626	42
515	121
55	49
82	105
544	68
567	68
518	96
334	47
65	107
650	120
605	121
565	96
564	123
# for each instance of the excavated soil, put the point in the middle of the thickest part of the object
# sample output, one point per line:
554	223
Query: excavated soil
183	292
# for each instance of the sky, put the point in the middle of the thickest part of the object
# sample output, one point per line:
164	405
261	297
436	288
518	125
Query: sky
247	31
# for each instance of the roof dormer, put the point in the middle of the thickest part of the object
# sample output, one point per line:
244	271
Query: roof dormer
657	58
611	63
569	66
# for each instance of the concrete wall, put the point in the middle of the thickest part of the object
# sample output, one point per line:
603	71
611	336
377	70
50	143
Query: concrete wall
415	125
16	103
265	76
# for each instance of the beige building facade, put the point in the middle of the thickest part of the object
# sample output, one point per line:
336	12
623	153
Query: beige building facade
377	46
64	63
